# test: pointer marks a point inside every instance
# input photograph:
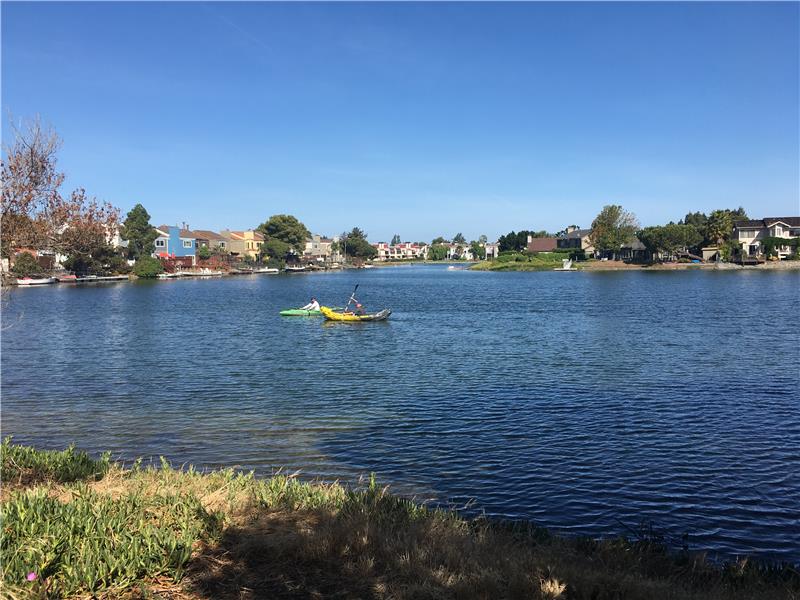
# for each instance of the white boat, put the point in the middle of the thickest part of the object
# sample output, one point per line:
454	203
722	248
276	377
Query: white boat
36	280
267	271
566	265
168	275
295	269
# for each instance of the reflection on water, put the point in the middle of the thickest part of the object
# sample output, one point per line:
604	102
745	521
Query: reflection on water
579	401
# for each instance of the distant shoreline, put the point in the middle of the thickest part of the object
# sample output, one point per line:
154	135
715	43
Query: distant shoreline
784	265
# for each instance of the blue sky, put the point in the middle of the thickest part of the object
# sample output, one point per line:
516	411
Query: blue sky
416	119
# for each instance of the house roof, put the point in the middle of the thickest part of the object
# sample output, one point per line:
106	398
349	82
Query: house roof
636	244
578	234
239	235
206	234
542	244
768	222
184	233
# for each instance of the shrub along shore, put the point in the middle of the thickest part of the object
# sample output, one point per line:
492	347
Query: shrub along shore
75	527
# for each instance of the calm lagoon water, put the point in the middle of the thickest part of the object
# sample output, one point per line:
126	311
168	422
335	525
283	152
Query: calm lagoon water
587	402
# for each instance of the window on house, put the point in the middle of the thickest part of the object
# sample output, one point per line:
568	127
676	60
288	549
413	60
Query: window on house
187	243
778	230
161	243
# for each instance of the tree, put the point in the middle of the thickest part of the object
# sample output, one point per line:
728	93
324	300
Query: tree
147	267
34	212
102	260
483	239
437	252
395	240
26	265
719	226
612	228
204	252
276	249
459	238
651	238
669	239
439	240
138	232
356	245
478	250
30	184
514	242
286	228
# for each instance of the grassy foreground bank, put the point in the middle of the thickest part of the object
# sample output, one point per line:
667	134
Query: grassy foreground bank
77	527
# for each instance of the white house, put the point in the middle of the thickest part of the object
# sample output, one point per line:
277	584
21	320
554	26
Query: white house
402	251
749	234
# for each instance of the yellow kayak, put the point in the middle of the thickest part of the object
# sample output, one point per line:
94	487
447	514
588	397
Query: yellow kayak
332	315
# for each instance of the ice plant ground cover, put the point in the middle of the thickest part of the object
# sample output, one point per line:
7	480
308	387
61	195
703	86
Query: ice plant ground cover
74	526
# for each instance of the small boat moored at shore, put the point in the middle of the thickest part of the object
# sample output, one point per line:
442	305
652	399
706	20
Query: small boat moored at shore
294	270
267	271
27	281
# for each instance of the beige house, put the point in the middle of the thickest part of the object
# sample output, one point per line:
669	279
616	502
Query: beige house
320	249
210	239
749	234
577	238
243	243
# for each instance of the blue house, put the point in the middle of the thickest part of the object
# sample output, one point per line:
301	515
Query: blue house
174	242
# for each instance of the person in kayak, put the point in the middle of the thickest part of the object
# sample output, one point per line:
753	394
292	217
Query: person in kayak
313	305
359	310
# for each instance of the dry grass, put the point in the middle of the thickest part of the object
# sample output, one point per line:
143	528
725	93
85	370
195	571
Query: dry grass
281	538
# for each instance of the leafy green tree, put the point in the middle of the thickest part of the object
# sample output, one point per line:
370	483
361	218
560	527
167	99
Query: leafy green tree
286	228
100	261
138	232
438	240
478	250
669	239
395	239
26	265
719	226
356	245
652	239
147	267
437	252
483	239
697	219
204	252
459	238
612	228
275	249
514	241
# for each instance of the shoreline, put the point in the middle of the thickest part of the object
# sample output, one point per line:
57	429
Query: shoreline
226	534
596	266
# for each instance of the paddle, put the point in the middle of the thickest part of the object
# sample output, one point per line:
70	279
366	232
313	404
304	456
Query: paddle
352	297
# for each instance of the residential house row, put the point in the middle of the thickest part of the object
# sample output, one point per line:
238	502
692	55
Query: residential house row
747	234
181	242
414	251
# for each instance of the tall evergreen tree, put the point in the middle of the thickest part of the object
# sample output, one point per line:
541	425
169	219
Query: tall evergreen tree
138	232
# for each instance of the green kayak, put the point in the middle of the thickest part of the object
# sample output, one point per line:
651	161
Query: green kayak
298	312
